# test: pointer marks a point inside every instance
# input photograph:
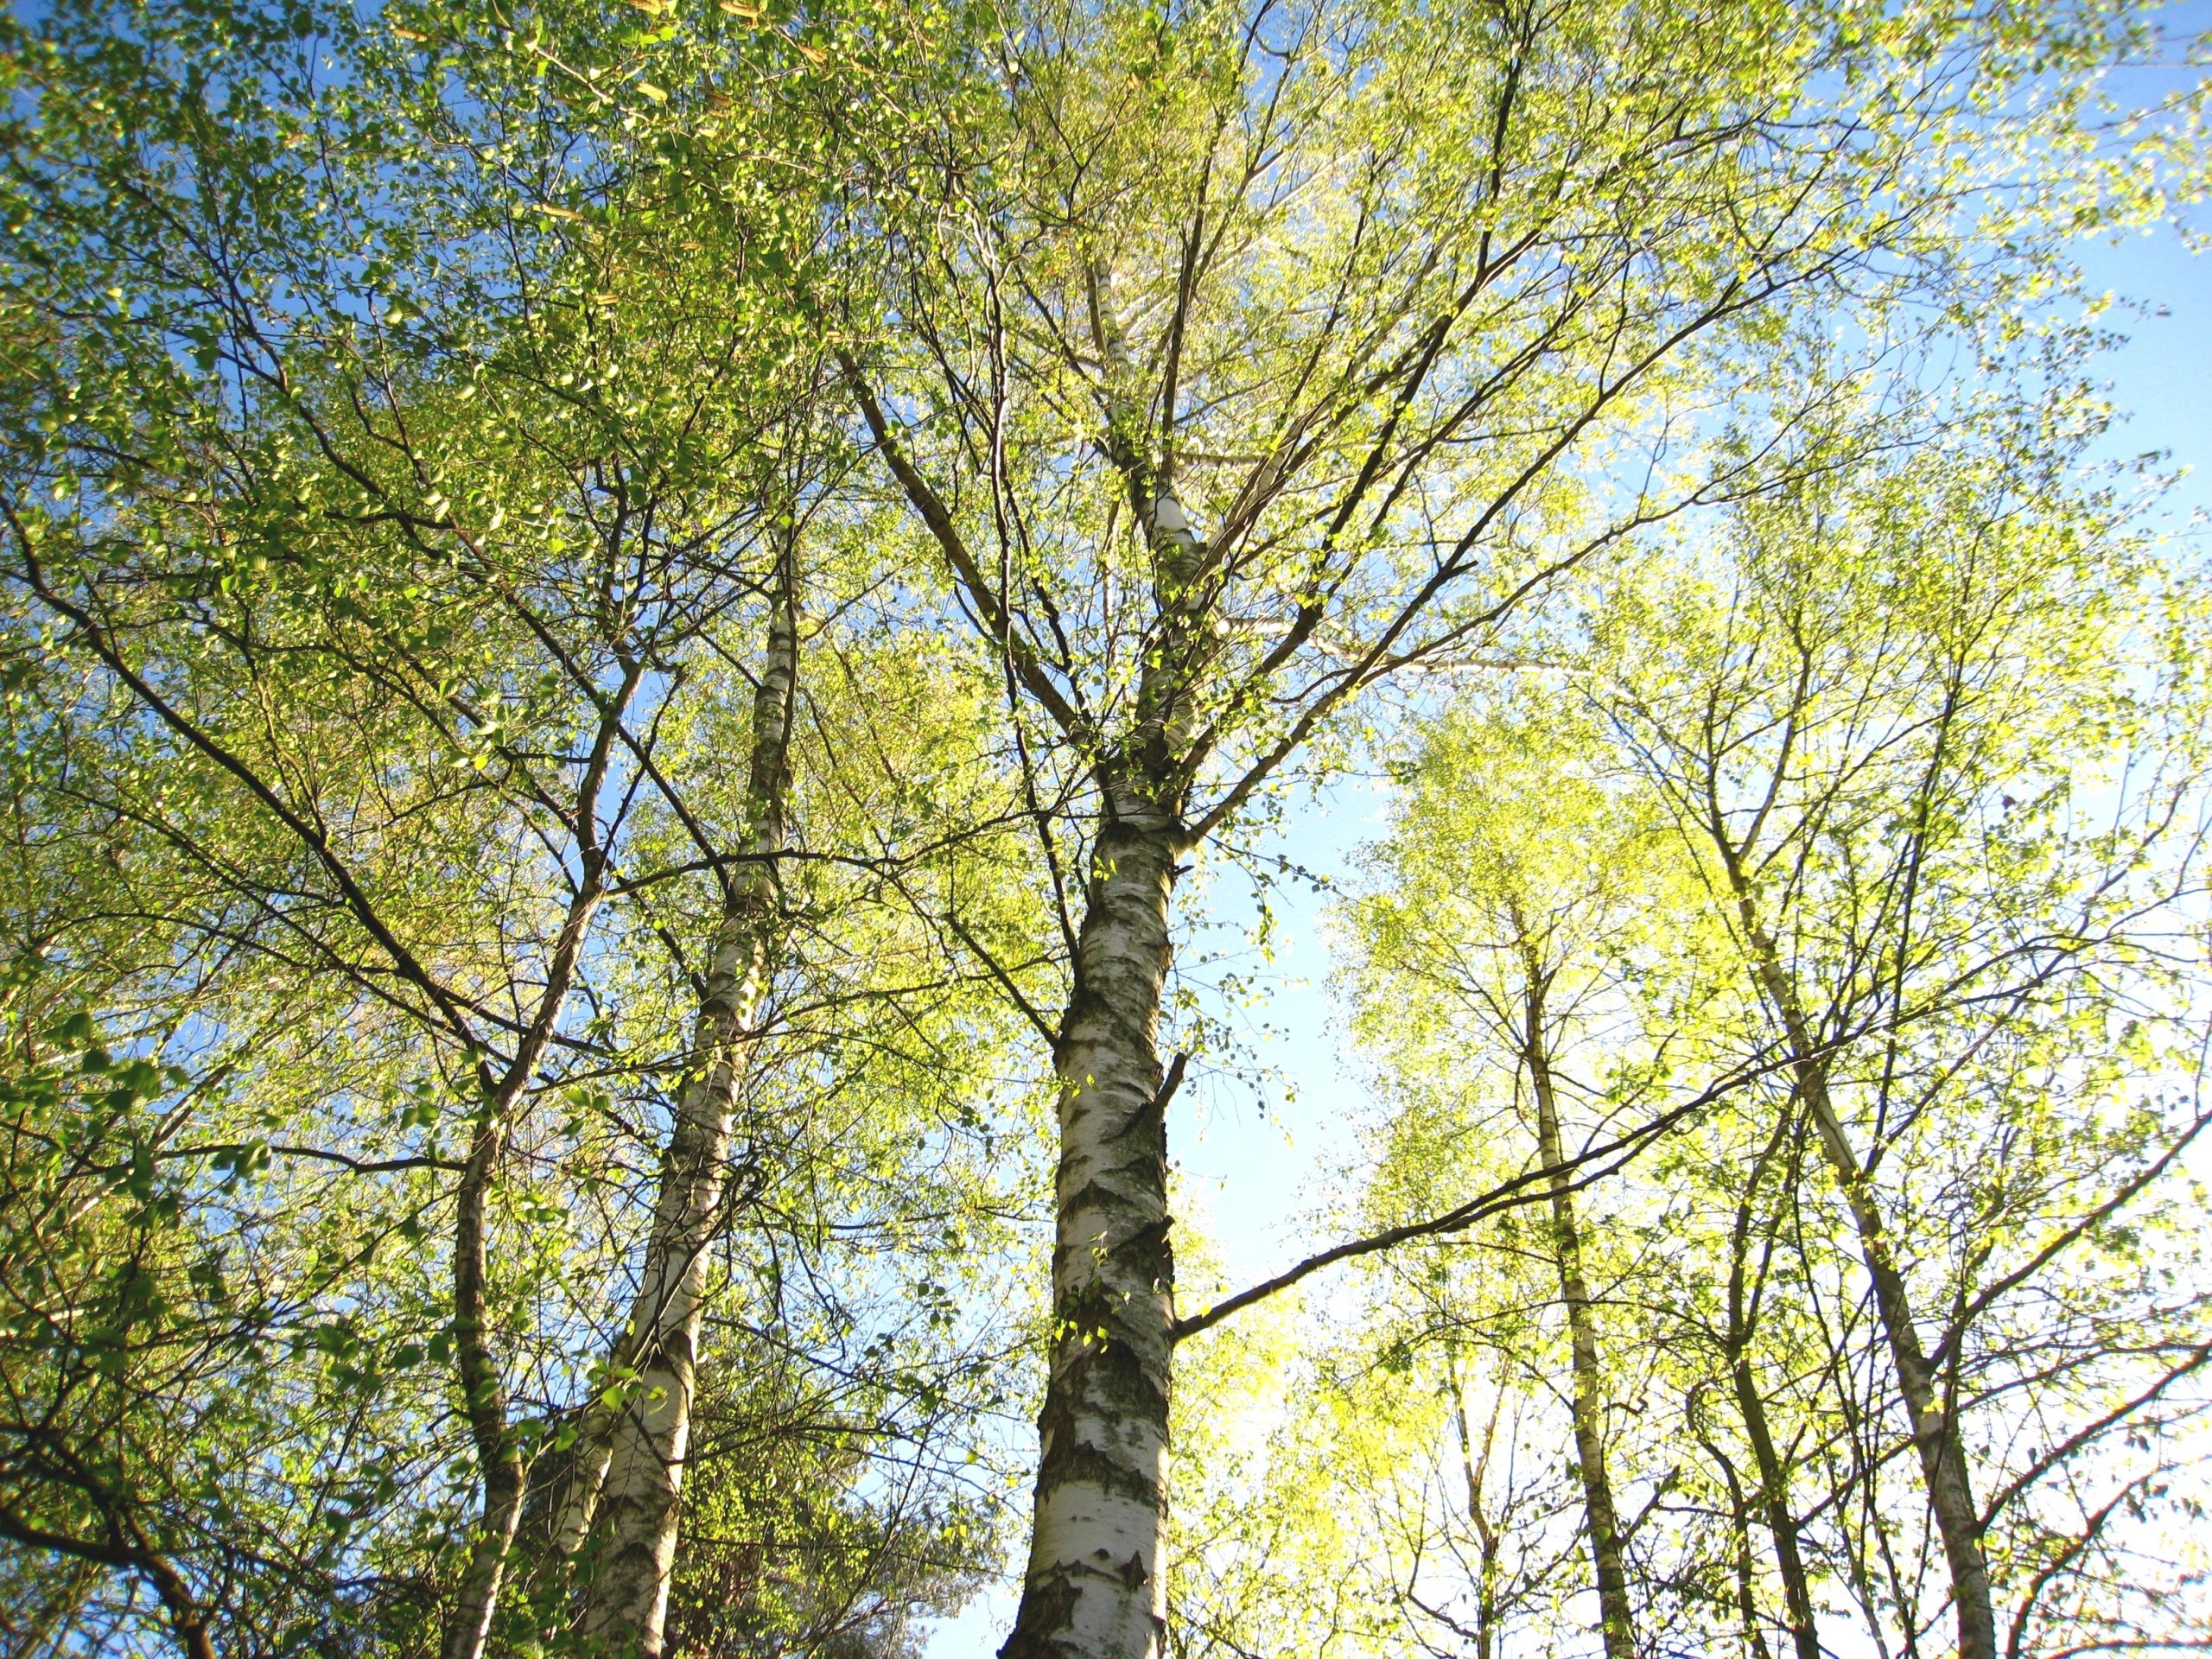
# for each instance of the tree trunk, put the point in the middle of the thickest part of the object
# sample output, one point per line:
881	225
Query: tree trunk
499	1450
1475	1471
1740	1526
484	1402
1774	1506
623	1509
1615	1620
1934	1427
1094	1588
1773	1497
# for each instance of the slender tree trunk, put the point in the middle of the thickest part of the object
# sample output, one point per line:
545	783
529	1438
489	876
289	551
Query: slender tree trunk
1934	1427
1774	1504
1616	1619
1739	1520
1094	1588
624	1504
483	1401
498	1450
1475	1470
1774	1500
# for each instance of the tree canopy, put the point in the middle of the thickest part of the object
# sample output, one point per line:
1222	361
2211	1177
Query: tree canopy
638	639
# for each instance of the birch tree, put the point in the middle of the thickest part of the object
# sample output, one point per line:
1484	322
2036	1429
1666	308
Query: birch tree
489	498
2019	981
1503	916
408	532
1878	783
1245	359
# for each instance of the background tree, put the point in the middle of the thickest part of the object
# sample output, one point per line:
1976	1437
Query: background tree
412	631
1497	938
1904	692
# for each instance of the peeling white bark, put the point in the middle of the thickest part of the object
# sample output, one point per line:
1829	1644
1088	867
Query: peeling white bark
622	1515
1094	1586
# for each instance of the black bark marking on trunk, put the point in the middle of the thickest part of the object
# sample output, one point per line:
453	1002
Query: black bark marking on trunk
1093	1587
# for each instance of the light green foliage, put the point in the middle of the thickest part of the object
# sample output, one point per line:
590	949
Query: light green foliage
389	576
1527	906
1920	724
1929	724
1292	1523
407	416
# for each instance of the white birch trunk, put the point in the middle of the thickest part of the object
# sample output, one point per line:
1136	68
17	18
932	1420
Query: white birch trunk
1093	1588
622	1515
